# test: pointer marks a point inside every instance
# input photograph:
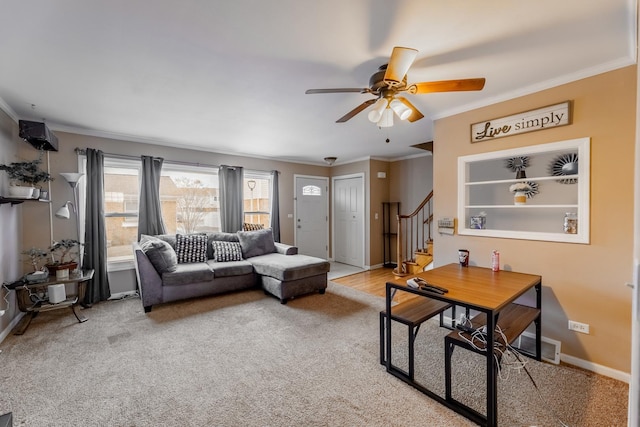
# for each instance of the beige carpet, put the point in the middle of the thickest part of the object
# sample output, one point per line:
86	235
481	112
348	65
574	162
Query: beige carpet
246	360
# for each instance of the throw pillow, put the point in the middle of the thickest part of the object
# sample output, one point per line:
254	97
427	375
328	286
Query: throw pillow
226	251
256	243
191	248
160	253
246	226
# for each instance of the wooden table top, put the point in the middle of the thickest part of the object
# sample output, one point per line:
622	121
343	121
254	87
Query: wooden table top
477	286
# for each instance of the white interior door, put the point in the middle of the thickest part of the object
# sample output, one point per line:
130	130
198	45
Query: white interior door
312	216
348	203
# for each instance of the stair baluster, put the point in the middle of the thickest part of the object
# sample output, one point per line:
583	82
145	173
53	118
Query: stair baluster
414	240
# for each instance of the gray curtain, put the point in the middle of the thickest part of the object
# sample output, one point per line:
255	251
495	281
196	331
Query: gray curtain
95	235
150	211
275	206
230	181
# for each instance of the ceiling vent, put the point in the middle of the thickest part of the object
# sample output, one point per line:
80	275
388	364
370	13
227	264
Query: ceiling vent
38	135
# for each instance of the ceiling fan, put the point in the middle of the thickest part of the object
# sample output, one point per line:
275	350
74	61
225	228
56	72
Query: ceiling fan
389	81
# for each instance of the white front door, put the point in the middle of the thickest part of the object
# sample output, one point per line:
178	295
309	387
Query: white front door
349	210
312	216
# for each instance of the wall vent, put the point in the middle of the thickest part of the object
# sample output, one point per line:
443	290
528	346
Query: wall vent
550	347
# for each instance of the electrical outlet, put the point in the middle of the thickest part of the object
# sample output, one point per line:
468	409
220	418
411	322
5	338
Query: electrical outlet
578	327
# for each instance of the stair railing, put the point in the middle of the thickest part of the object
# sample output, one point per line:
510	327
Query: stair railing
414	233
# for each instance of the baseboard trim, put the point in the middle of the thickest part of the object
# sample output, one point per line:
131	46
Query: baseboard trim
594	367
581	363
6	331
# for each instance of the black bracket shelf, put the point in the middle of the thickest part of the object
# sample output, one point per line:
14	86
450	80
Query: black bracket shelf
389	210
16	201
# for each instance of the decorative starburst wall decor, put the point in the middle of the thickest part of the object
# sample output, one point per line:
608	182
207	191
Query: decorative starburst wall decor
565	164
517	164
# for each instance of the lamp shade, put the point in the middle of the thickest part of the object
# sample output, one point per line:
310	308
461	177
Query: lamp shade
378	108
400	109
386	121
72	177
63	212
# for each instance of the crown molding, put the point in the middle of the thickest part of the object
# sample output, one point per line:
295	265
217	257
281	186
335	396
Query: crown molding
8	110
538	87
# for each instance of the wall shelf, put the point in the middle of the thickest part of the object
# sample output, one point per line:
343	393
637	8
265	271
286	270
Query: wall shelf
483	190
390	210
16	201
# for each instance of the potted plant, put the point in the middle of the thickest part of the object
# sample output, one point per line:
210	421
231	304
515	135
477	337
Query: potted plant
62	258
27	173
36	256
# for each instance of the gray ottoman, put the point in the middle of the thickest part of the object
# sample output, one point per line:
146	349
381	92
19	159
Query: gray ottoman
292	275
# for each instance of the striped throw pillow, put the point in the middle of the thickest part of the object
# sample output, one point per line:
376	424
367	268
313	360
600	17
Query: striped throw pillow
251	227
226	251
191	248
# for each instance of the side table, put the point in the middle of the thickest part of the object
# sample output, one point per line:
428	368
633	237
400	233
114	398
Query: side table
24	291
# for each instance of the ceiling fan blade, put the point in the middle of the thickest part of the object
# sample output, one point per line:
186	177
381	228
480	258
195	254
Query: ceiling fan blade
356	110
415	114
399	63
447	86
339	90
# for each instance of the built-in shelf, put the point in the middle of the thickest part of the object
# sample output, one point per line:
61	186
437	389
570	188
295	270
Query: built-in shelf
483	191
528	206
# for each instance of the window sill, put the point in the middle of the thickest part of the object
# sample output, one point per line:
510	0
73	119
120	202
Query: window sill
120	265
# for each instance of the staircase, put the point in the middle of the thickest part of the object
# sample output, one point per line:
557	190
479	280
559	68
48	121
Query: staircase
415	242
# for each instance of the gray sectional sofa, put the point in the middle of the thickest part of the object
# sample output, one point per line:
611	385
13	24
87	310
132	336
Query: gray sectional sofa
173	267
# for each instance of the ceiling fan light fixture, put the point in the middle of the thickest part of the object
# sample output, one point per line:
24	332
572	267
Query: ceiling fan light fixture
400	109
378	108
386	121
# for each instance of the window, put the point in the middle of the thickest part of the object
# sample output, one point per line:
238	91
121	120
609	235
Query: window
311	190
121	196
189	198
257	198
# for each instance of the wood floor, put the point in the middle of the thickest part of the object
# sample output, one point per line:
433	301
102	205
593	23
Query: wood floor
373	282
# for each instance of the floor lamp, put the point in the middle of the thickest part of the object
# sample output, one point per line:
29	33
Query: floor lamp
64	213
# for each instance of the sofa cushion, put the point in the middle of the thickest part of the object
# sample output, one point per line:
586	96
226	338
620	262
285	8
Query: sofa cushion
226	251
256	243
247	226
191	248
160	253
289	267
169	238
231	268
219	235
186	274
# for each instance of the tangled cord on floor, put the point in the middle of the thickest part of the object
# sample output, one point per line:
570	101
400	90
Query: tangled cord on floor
504	355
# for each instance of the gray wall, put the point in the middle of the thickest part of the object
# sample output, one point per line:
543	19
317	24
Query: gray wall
10	226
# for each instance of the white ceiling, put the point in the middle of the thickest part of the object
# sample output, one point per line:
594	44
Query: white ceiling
230	76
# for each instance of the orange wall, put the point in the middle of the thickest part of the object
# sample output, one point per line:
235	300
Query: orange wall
585	283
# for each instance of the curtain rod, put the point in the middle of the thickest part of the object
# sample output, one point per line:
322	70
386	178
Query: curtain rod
83	152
